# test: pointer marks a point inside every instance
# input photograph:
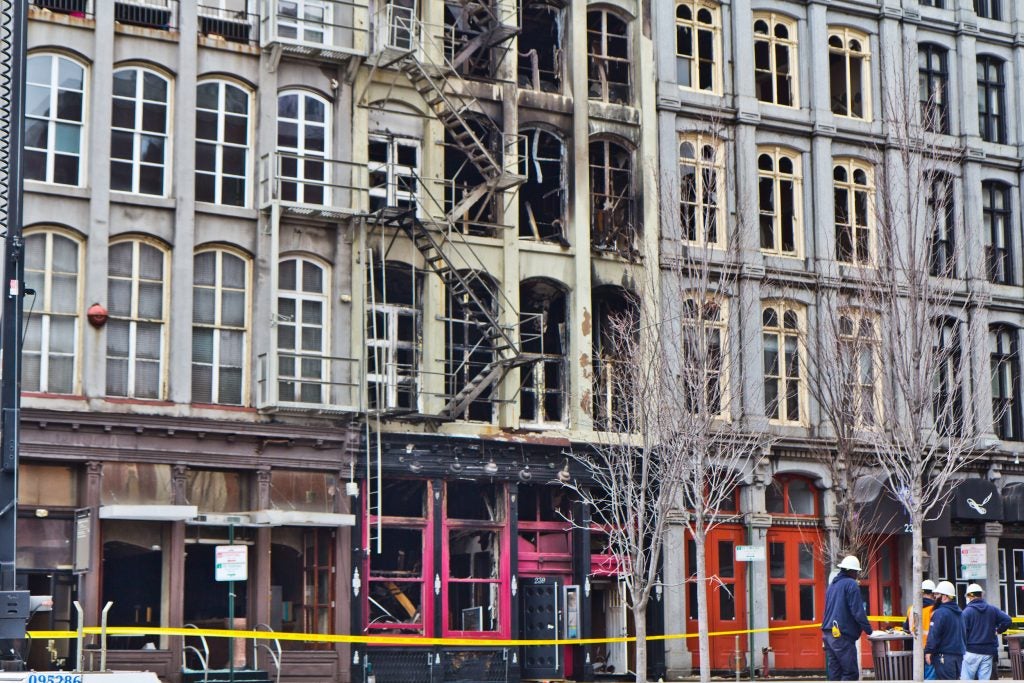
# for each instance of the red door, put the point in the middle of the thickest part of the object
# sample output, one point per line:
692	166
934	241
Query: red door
796	597
726	592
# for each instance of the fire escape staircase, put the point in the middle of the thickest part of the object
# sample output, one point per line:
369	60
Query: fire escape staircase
483	142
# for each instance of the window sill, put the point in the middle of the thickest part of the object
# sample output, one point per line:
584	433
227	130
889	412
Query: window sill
37	187
148	200
228	211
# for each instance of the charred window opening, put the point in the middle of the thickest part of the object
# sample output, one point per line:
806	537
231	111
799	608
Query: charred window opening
394	166
542	197
475	520
472	33
392	337
539	503
470	348
544	340
540	47
613	225
472	208
396	577
616	316
607	57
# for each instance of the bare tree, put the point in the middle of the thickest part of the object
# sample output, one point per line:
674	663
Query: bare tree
923	436
676	449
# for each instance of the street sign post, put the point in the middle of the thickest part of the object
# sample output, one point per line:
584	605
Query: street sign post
231	563
973	561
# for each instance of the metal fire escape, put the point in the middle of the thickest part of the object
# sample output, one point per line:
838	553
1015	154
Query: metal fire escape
435	72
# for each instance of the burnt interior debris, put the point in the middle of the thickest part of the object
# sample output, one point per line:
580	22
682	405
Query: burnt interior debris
607	57
616	319
612	204
540	47
473	217
469	350
542	198
545	337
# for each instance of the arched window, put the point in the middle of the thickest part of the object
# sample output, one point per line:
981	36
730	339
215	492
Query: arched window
542	197
941	216
545	340
613	215
303	138
849	60
220	310
791	495
859	369
779	201
853	186
136	331
933	84
54	116
782	326
997	215
616	323
608	57
701	177
139	140
991	99
698	45
949	381
1005	362
703	355
303	341
775	61
222	143
52	267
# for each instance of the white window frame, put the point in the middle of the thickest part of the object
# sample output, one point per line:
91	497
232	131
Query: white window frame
218	325
846	36
704	17
307	31
775	44
777	177
709	325
392	195
783	337
133	319
138	133
858	335
221	146
854	168
702	209
46	313
297	352
302	154
53	121
385	347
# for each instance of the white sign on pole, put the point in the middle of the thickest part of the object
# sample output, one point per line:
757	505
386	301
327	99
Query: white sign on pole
231	563
750	553
973	563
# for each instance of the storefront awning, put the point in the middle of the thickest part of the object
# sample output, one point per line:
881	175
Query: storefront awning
1013	503
149	513
977	500
879	512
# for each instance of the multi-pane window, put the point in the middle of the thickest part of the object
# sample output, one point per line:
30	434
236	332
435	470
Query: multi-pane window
392	334
849	61
703	354
135	330
545	342
393	165
775	61
612	211
933	3
1005	363
54	111
219	307
222	143
608	67
997	214
698	45
852	186
989	9
991	99
469	342
782	325
941	217
139	144
933	84
858	339
948	380
302	143
778	193
701	178
52	265
305	21
302	343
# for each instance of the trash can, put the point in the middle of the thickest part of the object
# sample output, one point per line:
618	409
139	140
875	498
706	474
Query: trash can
1016	656
893	656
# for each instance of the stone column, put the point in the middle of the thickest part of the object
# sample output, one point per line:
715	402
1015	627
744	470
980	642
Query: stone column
678	661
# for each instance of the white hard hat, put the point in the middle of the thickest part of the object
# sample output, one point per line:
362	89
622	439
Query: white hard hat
927	586
946	588
850	562
974	588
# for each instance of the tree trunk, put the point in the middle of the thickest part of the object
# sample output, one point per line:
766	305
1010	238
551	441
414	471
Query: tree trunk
703	627
916	573
640	624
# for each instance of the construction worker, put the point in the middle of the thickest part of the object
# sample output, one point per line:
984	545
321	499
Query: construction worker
843	622
945	648
982	622
910	624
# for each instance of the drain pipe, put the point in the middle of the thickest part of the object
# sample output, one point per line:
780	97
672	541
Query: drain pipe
103	635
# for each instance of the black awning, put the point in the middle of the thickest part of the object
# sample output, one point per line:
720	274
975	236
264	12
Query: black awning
880	513
1013	503
977	500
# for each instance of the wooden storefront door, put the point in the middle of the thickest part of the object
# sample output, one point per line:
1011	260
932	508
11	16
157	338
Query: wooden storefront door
796	597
